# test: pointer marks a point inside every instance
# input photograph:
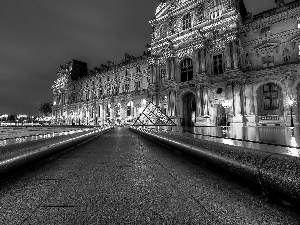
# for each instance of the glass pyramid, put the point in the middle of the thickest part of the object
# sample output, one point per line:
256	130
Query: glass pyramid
153	116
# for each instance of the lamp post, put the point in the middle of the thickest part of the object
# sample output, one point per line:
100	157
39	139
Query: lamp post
291	102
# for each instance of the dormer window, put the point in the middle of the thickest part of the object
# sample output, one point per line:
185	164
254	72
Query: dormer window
187	21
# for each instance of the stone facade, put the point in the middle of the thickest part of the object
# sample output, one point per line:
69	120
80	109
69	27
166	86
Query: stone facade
210	63
111	94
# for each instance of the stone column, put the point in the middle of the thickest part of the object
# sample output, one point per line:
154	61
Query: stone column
248	98
168	69
154	74
205	101
198	103
172	65
169	103
237	99
228	56
203	60
255	104
173	102
235	55
197	63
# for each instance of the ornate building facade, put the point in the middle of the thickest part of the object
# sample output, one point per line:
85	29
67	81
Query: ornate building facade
210	63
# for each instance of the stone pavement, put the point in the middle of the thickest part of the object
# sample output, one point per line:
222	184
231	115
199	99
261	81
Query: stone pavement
123	178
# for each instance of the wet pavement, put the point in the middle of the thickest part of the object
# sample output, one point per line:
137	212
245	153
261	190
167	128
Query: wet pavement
123	178
281	140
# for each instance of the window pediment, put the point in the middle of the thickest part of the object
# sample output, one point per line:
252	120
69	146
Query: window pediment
266	46
295	38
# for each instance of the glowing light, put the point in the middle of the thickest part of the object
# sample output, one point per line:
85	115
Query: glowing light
226	104
290	102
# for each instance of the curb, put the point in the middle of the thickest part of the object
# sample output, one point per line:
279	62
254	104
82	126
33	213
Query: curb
42	149
277	174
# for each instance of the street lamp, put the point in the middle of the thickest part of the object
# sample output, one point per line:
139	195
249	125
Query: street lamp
291	102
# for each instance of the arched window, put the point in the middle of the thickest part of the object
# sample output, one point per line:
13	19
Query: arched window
186	21
186	70
129	108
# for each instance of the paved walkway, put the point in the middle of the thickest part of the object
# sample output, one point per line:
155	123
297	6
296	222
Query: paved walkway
124	178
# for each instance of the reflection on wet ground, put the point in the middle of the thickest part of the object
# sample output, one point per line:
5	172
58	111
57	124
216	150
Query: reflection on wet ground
283	140
13	135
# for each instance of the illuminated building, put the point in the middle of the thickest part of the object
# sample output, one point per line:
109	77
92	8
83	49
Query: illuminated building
203	53
111	94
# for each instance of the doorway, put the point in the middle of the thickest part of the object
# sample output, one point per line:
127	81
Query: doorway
189	109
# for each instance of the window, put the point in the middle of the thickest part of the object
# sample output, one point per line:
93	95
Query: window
100	92
286	55
137	85
129	108
163	74
187	21
218	64
216	10
268	61
126	87
108	110
186	70
270	92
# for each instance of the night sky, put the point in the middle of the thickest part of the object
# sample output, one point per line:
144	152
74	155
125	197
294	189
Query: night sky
37	36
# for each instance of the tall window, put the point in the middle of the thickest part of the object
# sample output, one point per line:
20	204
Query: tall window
126	87
108	110
186	70
137	85
270	92
286	55
100	92
129	108
218	64
187	21
216	10
163	74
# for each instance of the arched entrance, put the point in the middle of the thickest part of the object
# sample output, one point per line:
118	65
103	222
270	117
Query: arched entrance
189	109
269	100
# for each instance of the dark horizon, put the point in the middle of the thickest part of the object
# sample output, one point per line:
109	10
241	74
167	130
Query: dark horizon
37	37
